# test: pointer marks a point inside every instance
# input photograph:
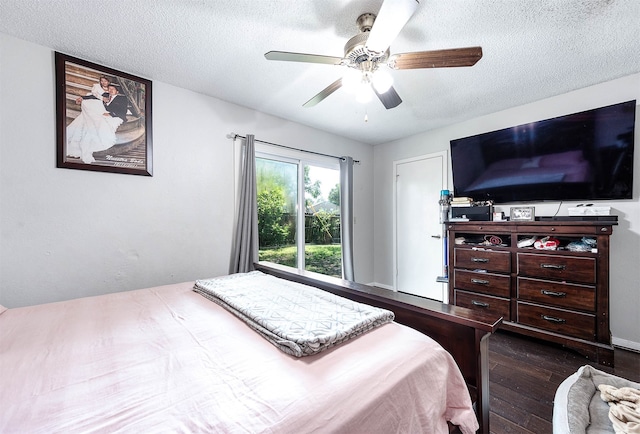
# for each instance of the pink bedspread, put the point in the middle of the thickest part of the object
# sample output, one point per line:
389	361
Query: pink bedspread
166	359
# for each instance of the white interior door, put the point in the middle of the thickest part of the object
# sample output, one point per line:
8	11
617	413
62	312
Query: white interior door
419	250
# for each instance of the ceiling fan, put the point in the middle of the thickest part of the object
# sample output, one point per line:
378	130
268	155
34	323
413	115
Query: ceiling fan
366	52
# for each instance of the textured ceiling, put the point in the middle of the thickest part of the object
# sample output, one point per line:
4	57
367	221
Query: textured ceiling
532	50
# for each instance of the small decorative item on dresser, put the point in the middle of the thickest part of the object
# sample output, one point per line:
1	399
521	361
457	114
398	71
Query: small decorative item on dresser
523	213
492	240
546	243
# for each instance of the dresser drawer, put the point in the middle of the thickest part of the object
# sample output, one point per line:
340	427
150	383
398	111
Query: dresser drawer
570	295
483	303
571	268
487	283
579	325
489	260
578	231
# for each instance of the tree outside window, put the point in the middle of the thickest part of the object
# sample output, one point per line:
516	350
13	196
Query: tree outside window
283	233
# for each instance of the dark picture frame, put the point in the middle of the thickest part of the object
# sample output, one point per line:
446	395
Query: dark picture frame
103	118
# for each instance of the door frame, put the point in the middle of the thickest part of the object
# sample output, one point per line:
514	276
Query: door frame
444	155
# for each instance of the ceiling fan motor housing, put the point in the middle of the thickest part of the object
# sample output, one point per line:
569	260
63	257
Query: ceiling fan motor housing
365	22
356	53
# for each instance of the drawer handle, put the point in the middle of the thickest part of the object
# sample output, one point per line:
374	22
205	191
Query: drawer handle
553	319
553	293
480	281
479	303
553	266
483	260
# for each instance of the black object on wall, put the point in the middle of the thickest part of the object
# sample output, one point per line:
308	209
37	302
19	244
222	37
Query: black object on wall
581	156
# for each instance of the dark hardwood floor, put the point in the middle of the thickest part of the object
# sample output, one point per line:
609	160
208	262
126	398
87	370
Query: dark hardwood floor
524	375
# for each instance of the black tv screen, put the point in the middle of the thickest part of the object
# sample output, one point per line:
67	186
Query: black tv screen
582	156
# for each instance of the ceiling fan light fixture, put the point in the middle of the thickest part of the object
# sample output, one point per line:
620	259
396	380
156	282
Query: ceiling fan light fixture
364	94
351	80
382	80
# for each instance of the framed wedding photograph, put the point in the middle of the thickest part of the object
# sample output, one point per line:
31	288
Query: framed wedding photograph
523	213
103	118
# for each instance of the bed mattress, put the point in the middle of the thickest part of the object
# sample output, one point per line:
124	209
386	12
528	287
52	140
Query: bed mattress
166	359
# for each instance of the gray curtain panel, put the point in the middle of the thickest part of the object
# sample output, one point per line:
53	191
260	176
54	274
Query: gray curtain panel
245	241
346	213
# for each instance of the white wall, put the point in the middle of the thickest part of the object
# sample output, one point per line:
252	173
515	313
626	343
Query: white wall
68	233
625	242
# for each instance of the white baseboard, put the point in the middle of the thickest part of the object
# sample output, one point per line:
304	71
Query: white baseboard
627	345
381	285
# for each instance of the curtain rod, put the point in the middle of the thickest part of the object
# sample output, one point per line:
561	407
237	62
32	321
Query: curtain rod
235	136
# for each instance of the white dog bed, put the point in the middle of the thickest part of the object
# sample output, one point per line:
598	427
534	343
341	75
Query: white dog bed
578	407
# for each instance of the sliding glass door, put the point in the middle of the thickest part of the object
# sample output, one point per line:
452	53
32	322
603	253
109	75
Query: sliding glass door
299	214
322	247
277	183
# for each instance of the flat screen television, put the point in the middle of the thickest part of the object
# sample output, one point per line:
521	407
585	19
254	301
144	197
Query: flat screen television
582	156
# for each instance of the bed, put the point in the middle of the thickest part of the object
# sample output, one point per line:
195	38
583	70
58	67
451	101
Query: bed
167	359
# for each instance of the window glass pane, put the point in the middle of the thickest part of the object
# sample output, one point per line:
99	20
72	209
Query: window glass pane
285	186
322	247
277	194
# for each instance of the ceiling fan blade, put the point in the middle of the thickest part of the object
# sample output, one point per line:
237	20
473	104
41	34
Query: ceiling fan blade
302	57
436	59
324	93
391	18
389	99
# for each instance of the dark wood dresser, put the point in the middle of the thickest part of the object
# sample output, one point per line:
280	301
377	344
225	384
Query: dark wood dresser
560	296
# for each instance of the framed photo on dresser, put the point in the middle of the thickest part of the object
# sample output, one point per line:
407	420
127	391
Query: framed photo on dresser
103	118
523	213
